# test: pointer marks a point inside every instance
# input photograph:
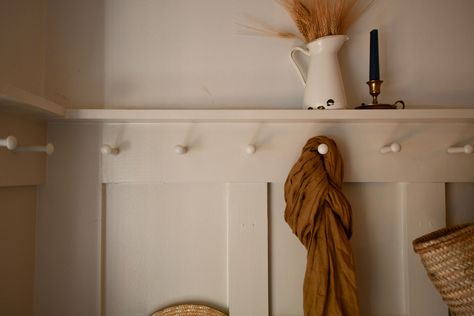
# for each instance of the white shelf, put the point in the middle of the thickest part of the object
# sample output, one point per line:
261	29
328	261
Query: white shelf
17	100
284	116
14	99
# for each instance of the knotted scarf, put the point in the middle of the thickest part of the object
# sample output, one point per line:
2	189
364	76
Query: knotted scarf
320	216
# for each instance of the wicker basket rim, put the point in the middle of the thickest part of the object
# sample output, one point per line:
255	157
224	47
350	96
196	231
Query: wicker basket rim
442	236
448	257
188	309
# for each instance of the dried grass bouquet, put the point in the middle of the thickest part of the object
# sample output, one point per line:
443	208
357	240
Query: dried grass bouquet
315	18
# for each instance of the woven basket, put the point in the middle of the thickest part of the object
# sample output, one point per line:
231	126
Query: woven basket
448	256
189	310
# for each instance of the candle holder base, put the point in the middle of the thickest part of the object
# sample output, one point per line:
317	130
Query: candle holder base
364	106
374	89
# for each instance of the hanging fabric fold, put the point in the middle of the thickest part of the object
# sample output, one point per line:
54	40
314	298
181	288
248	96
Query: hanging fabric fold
320	216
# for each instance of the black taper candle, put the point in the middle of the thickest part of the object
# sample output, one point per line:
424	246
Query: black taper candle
374	72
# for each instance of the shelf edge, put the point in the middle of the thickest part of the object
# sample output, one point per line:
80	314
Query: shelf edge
16	99
223	115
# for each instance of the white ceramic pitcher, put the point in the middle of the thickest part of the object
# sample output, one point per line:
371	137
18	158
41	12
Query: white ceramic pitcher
323	84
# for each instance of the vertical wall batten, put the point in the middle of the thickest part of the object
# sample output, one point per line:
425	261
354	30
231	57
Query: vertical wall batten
103	250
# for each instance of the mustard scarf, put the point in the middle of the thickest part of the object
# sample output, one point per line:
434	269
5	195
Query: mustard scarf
320	216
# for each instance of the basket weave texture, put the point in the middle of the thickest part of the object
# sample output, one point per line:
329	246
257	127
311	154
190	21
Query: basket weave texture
189	310
448	256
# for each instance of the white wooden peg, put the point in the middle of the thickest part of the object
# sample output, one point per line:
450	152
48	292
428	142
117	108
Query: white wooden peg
466	149
323	149
180	149
392	148
250	149
109	150
10	142
48	149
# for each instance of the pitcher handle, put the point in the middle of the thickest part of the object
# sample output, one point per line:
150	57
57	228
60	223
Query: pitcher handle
298	68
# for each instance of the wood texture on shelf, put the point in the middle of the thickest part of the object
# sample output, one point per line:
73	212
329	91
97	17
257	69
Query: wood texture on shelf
14	99
290	116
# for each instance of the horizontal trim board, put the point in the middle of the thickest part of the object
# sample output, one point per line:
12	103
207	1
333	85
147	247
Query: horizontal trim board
217	152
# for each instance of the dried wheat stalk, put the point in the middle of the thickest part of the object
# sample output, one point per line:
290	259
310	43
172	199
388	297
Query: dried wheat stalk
265	29
315	18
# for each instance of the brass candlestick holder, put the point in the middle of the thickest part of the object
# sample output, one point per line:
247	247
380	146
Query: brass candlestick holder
374	90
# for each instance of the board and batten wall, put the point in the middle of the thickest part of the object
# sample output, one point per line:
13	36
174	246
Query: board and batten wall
17	249
130	234
116	53
190	54
21	65
115	249
69	225
20	174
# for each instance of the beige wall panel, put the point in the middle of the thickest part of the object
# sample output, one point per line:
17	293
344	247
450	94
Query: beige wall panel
459	203
74	55
21	35
17	250
165	244
22	168
376	242
424	211
68	226
144	209
426	51
190	54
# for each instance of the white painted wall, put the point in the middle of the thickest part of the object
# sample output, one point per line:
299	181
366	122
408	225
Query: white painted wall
459	203
74	52
183	54
22	38
377	245
20	169
20	173
162	211
68	234
168	243
17	249
21	65
426	52
189	54
165	243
